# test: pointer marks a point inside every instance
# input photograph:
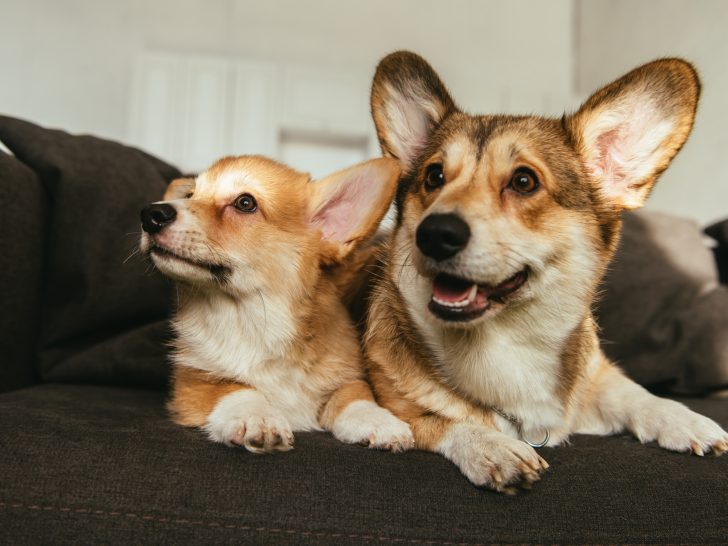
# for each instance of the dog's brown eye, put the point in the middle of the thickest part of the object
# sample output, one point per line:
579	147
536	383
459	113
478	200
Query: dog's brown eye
434	177
188	195
524	181
246	203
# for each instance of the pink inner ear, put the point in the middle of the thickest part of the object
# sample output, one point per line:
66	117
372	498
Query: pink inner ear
626	148
611	164
610	159
341	215
335	220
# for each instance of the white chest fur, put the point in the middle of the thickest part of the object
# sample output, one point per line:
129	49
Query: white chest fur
248	341
511	363
509	369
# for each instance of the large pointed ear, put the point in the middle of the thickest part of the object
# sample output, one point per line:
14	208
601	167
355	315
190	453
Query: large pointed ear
629	131
348	206
408	102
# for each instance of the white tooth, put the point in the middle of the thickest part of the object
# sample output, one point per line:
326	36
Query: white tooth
451	304
456	305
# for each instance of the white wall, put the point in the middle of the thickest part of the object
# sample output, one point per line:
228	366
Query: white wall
617	35
69	64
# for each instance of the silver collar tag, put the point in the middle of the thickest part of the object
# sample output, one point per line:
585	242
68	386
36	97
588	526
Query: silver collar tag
519	426
539	444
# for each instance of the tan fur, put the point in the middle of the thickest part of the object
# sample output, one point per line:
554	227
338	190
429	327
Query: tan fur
195	394
180	188
531	364
345	395
264	344
428	430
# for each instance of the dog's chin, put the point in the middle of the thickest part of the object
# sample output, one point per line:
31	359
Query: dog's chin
185	269
459	302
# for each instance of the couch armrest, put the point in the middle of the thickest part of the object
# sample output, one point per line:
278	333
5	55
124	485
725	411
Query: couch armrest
22	235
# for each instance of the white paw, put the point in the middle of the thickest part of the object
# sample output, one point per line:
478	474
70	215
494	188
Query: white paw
364	422
489	458
245	418
677	428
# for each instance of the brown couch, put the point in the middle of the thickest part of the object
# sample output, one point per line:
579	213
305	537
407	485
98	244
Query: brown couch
90	456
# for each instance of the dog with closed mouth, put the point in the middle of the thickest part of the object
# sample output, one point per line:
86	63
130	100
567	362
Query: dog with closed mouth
480	333
264	346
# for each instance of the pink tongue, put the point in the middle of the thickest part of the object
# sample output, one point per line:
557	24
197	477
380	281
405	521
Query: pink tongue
451	291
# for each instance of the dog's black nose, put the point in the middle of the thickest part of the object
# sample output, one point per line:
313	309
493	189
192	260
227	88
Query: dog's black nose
156	216
441	236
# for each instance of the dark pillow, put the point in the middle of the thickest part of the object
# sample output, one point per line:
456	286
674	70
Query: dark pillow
663	313
719	232
22	227
104	309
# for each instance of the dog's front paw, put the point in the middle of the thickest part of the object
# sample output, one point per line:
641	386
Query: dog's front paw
489	458
263	434
246	419
677	428
364	422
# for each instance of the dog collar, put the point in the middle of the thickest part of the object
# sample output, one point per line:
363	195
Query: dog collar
516	422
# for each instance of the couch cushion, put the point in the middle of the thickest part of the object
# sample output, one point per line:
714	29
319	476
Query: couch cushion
22	233
663	312
97	293
719	232
107	465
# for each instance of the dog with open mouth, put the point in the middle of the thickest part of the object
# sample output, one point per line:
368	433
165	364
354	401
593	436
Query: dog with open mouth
480	333
264	346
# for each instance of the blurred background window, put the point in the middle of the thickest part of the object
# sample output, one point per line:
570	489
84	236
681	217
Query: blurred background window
193	80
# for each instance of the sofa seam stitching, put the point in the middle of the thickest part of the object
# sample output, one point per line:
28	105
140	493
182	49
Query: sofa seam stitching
260	529
214	524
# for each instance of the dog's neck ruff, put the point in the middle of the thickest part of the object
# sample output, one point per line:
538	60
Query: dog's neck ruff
428	354
254	328
499	368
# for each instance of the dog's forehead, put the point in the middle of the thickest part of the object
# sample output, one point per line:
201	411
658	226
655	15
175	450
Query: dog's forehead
504	137
500	143
254	174
228	181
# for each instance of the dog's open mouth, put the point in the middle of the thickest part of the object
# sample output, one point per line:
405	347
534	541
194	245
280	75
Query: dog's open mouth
215	269
456	299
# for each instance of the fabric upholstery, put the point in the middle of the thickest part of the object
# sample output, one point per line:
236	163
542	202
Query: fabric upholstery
22	234
98	297
663	313
719	233
106	465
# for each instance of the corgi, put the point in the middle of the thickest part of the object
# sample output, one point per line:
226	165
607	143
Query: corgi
480	332
264	345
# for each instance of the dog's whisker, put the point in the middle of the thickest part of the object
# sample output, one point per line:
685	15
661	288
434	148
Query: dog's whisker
135	252
407	258
265	312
